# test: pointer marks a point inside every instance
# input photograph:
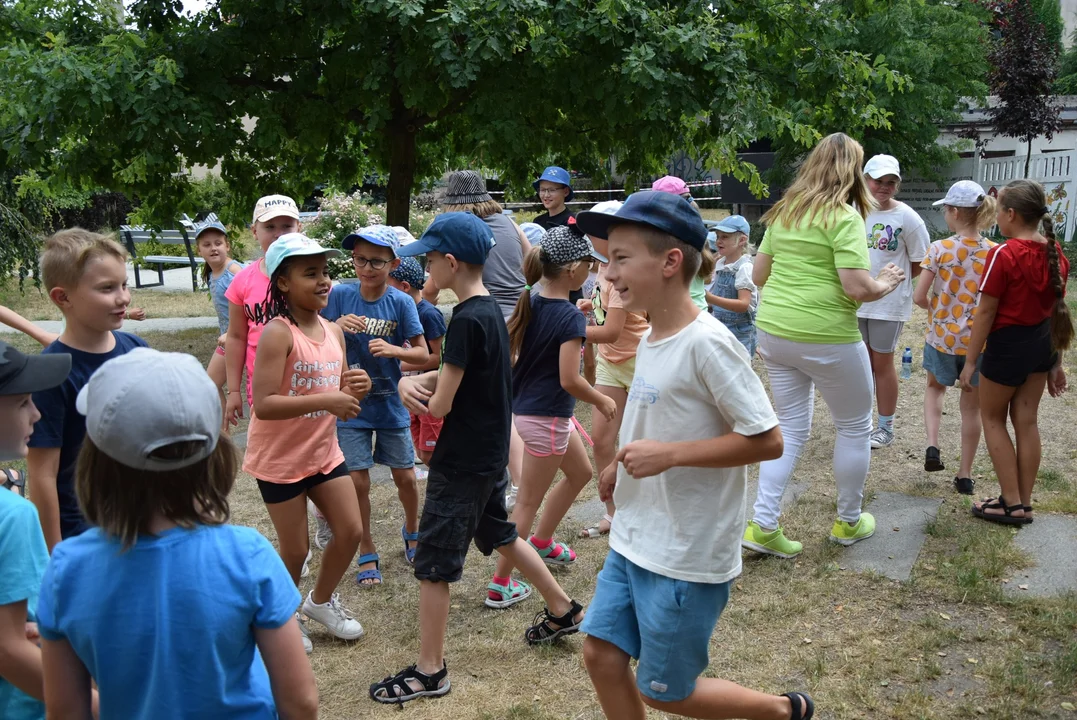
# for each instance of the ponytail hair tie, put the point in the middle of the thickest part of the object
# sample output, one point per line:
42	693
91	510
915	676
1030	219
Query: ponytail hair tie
1046	210
527	288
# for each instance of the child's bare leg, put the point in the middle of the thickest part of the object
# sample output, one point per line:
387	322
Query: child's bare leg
971	429
1024	411
537	475
336	499
516	456
433	620
425	456
578	472
527	561
614	681
361	482
604	433
716	699
289	520
994	408
933	396
217	373
407	489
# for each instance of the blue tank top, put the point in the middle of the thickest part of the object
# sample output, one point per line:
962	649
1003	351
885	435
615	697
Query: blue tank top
218	285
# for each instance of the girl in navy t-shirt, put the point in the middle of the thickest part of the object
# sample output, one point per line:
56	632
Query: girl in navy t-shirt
546	332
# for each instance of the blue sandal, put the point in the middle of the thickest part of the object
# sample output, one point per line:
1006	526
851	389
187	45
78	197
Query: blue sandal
374	574
409	552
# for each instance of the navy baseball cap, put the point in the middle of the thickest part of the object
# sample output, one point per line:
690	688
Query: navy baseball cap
381	235
734	224
211	225
460	234
661	210
409	271
557	175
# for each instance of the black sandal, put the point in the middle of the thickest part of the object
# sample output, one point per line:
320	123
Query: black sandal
932	460
548	628
1000	504
965	486
803	707
15	481
396	689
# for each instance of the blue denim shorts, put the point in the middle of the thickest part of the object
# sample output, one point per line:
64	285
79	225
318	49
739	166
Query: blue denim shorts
392	448
664	623
947	368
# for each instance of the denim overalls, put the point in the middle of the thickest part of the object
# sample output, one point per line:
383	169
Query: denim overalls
742	325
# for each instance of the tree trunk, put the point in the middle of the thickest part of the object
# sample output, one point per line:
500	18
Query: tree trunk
1028	157
402	160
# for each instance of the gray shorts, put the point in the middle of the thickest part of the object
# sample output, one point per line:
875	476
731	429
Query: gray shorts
880	336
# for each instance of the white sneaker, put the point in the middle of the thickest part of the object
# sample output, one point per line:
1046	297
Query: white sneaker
881	438
510	497
305	572
308	646
335	618
323	534
421	473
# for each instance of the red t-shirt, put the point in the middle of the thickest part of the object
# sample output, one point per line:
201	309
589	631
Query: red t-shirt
1017	273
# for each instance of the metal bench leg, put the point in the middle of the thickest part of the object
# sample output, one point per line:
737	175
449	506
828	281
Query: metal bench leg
161	274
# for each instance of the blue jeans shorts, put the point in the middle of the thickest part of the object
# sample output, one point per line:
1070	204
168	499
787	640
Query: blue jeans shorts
392	447
947	368
664	623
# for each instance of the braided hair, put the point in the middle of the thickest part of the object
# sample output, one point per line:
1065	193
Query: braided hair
276	300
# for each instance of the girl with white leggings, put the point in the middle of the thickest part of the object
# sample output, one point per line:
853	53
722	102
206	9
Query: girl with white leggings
814	263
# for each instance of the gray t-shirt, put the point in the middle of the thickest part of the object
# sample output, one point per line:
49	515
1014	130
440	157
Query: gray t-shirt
503	273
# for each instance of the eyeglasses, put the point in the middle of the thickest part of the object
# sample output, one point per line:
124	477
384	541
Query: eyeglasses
549	191
375	263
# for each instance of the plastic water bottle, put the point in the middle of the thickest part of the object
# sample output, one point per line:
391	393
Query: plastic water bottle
906	364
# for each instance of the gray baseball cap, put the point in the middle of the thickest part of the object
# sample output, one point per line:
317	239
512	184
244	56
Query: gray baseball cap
142	401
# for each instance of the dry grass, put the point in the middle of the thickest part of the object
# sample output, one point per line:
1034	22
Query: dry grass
34	304
945	645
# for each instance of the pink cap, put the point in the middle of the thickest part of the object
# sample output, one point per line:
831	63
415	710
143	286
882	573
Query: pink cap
670	184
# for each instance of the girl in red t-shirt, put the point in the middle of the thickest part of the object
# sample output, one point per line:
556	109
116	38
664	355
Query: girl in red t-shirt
1023	319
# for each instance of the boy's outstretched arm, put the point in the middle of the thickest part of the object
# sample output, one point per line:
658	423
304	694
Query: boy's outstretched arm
646	458
42	469
447	382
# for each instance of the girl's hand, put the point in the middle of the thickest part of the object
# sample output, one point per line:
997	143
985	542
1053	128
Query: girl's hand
221	339
341	404
608	407
352	323
585	305
966	376
891	276
1056	381
135	313
414	396
607	481
233	408
645	458
381	349
356	382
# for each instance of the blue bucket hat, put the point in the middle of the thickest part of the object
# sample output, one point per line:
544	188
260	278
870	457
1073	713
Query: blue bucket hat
460	234
291	245
661	210
381	235
734	224
409	271
557	175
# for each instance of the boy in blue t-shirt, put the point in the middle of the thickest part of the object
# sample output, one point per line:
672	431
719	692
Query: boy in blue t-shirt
381	330
85	275
409	278
23	555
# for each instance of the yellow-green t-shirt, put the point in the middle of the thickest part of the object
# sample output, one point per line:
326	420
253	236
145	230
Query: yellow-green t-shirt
803	300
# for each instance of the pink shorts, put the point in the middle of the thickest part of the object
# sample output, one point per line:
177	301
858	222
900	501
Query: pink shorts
543	436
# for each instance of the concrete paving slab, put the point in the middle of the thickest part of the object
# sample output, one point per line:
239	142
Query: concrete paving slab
1052	541
900	530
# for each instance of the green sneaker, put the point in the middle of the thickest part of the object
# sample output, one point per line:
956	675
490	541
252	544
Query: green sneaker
845	534
769	543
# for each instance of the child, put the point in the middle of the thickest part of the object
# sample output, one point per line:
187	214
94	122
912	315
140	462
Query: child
697	414
951	277
300	387
616	333
85	275
171	611
377	321
677	186
274	215
545	336
897	235
409	279
465	494
220	269
554	188
1023	318
698	290
734	297
23	554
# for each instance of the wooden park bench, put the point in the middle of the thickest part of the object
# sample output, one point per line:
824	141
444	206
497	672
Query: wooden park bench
134	236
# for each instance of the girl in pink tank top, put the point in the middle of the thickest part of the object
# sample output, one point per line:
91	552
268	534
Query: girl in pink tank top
301	386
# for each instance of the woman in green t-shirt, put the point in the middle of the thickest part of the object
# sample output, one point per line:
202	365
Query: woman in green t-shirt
814	263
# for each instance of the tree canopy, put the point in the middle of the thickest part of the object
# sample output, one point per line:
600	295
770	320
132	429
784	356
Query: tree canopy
287	95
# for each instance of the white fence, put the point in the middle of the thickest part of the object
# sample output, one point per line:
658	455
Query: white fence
1056	171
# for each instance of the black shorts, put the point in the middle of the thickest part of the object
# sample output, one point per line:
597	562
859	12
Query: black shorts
273	493
1017	351
460	507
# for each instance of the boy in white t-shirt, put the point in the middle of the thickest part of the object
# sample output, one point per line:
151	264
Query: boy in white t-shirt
696	415
896	234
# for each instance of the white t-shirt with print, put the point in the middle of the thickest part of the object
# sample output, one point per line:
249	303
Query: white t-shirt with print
743	268
896	236
686	523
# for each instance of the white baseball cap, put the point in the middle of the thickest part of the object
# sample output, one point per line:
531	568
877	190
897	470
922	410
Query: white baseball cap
963	193
881	166
144	400
272	206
